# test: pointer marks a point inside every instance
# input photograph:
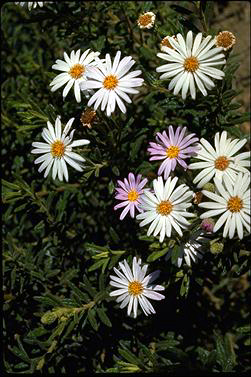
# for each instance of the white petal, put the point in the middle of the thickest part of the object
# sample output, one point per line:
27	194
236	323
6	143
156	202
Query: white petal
68	87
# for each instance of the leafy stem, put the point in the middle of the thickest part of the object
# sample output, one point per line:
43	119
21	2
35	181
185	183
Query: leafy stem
201	16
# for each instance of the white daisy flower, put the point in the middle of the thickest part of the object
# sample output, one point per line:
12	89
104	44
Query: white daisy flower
75	69
191	62
166	208
232	202
220	160
113	82
31	4
190	249
134	287
57	151
146	20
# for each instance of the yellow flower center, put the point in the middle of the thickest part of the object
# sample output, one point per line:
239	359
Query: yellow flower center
191	64
76	71
57	149
135	288
172	151
164	208
110	82
221	163
133	195
145	19
235	204
225	39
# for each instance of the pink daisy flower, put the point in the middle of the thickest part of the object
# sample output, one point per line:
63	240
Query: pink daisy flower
172	149
129	192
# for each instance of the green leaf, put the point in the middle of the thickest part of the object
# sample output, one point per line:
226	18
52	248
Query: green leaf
19	353
81	295
190	26
115	171
175	254
111	187
203	354
180	9
229	94
36	114
99	43
106	261
148	53
247	342
49	299
157	254
244	329
117	252
135	146
102	315
114	235
225	353
69	329
36	333
97	264
88	286
185	285
94	248
9	185
91	318
20	208
21	366
131	357
101	282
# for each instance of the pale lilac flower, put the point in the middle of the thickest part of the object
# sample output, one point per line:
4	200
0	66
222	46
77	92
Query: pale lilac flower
172	149
129	192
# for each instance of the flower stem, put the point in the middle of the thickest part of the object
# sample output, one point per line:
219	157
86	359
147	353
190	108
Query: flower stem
201	16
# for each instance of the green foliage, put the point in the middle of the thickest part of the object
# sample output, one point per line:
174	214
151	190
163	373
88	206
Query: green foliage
62	240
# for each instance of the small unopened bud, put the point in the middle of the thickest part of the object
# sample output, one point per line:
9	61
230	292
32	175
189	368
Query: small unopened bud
48	318
207	225
209	187
216	247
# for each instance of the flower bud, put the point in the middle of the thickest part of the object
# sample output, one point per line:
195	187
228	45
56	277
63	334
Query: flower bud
209	187
48	318
207	225
216	247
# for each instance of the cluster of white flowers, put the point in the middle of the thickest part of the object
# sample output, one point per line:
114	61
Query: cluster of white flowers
88	72
190	64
